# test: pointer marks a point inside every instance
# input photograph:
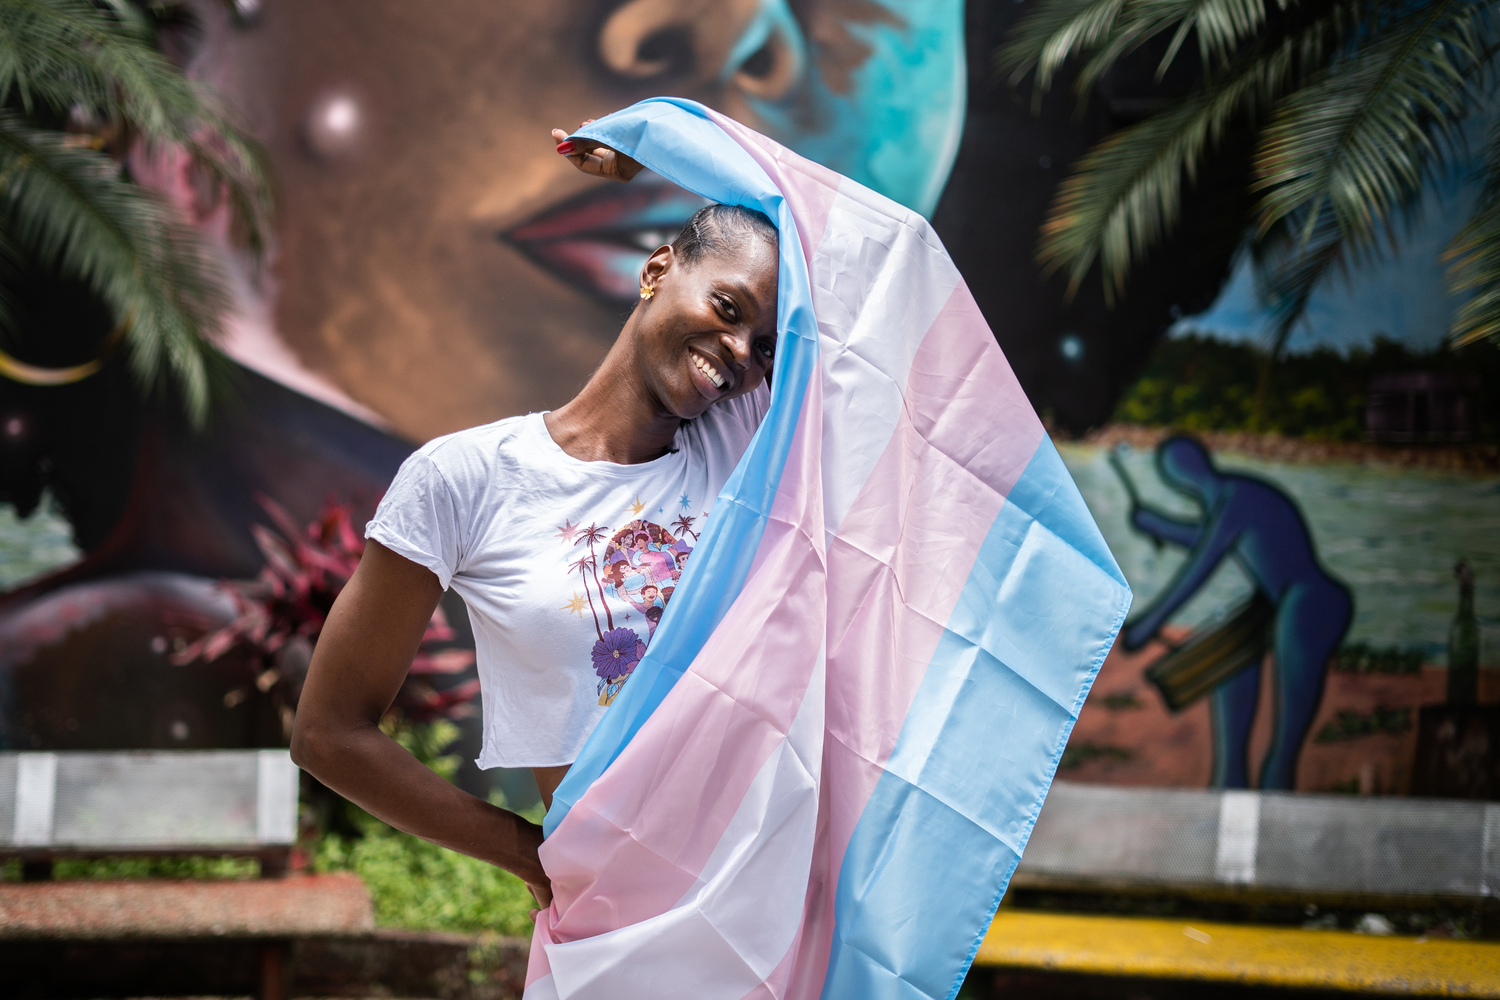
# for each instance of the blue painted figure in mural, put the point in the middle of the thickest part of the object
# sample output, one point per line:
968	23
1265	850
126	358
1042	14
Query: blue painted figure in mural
1261	528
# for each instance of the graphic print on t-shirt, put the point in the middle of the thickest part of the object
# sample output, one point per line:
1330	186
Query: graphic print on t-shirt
640	566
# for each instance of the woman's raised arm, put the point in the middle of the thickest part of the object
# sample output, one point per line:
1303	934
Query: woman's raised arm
361	658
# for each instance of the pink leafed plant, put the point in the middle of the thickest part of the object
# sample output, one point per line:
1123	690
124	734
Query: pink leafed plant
282	611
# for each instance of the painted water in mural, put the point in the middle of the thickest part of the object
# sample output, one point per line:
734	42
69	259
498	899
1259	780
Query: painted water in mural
1391	534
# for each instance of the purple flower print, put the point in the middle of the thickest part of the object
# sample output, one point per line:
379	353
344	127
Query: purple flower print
616	654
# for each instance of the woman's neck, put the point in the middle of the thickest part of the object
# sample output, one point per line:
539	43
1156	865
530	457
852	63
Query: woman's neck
614	418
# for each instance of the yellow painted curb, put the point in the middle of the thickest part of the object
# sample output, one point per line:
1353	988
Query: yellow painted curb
1239	953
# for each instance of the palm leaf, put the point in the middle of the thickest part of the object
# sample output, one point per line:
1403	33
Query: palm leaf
1354	147
1473	259
68	207
64	54
1361	141
1053	33
1124	196
1060	30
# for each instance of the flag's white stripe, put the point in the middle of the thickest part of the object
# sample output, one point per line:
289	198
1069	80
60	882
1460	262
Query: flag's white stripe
543	989
879	280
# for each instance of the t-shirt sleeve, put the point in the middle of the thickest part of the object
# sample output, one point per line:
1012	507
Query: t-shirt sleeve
418	518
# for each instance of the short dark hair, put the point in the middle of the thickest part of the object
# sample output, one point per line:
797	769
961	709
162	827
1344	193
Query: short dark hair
715	229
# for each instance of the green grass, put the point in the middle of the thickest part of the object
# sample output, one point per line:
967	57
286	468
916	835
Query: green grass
420	886
173	866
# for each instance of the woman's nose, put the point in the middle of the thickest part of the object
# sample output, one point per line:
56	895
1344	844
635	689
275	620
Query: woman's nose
738	346
755	46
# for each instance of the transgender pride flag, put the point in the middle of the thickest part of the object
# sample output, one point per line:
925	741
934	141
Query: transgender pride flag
820	778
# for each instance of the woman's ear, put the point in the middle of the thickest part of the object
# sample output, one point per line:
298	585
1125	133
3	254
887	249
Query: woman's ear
657	265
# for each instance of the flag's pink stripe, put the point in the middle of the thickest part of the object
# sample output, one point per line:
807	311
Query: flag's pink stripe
639	837
809	188
537	965
900	560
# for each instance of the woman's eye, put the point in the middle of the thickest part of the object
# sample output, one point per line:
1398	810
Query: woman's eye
726	307
769	350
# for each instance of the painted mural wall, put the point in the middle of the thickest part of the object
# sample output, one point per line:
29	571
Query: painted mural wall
1299	608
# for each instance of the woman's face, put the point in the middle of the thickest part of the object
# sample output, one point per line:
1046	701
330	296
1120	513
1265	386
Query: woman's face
439	263
708	332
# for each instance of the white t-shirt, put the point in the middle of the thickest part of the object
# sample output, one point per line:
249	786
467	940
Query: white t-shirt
566	566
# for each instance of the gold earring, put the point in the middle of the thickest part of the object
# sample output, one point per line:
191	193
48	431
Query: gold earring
647	291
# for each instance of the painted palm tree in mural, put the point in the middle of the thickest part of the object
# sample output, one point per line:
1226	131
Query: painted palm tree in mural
1355	105
82	86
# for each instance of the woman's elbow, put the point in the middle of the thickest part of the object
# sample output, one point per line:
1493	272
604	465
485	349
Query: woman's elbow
310	746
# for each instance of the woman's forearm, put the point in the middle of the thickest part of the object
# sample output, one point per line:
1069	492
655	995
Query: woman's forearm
370	769
361	658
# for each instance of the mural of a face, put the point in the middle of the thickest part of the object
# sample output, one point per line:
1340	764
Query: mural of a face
439	264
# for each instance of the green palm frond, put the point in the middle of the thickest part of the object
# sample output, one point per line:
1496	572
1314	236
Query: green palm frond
1367	99
1054	33
1361	141
1356	146
65	202
1473	259
69	207
1290	263
1126	193
1124	196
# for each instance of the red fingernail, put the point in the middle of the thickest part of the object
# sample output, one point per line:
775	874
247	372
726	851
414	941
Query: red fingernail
565	147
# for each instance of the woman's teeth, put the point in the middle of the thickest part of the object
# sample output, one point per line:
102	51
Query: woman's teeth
709	371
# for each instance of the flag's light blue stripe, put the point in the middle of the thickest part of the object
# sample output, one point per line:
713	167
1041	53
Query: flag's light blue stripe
676	139
978	748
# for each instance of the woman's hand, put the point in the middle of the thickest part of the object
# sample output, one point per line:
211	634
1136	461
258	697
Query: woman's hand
594	157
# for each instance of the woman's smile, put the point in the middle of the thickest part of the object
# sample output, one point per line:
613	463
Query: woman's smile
707	375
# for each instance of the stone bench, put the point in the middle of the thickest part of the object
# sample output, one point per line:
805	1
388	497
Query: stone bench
215	802
1292	849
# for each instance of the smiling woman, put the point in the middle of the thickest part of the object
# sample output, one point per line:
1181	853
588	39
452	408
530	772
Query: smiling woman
659	426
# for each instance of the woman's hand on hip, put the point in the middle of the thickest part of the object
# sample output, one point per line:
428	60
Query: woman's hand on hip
595	158
362	656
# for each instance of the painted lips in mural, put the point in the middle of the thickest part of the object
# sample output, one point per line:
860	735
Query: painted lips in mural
599	241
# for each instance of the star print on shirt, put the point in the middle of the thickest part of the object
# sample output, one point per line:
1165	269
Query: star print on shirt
575	605
637	507
685	501
566	531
